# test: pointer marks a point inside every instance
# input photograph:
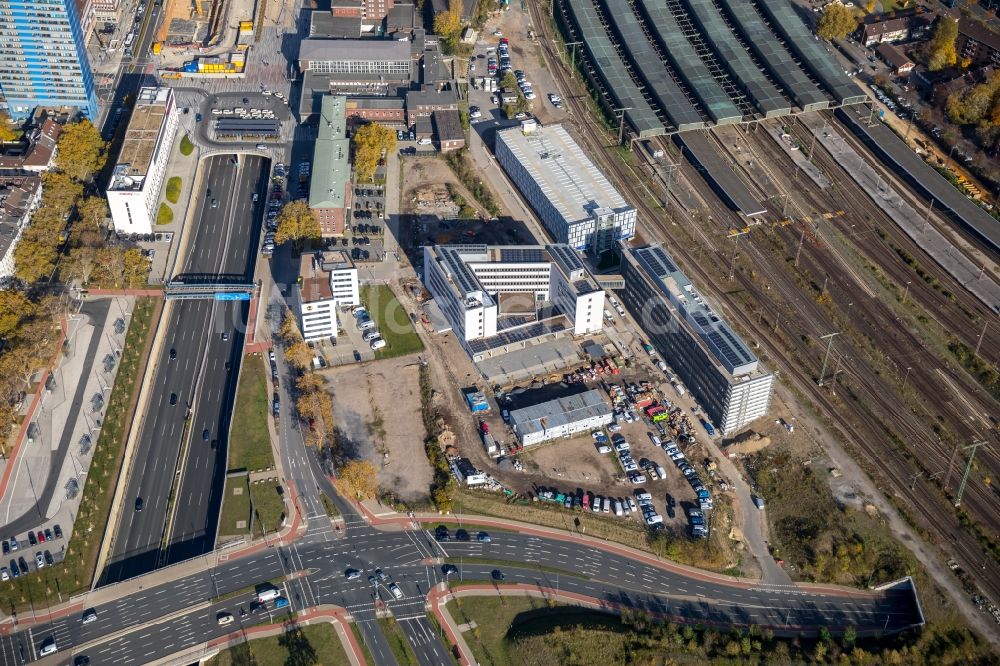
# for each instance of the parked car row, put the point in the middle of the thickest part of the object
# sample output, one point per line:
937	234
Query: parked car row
690	473
33	538
19	566
367	327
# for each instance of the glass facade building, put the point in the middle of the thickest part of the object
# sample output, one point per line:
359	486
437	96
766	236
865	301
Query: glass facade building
43	57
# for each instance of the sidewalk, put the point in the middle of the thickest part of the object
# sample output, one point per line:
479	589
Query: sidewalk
65	428
186	168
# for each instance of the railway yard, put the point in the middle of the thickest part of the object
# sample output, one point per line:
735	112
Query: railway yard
824	261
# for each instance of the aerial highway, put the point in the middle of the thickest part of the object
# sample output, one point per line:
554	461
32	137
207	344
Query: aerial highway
193	384
167	617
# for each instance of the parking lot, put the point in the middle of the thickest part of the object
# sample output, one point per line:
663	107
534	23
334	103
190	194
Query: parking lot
367	224
20	551
250	107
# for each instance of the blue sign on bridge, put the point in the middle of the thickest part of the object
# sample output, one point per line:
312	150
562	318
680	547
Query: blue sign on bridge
232	296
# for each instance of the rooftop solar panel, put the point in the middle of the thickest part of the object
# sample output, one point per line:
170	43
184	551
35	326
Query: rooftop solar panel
667	93
522	255
773	55
734	57
515	336
814	56
605	60
685	60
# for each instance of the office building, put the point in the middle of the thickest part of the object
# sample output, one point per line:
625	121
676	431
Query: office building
574	200
562	417
134	190
330	186
343	277
498	293
43	58
327	281
718	368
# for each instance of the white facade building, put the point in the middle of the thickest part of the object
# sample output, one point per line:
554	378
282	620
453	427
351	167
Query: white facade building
574	200
561	417
469	283
134	190
723	375
328	281
20	196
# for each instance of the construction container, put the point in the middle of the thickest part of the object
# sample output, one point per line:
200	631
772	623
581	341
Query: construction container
246	26
191	66
477	402
157	48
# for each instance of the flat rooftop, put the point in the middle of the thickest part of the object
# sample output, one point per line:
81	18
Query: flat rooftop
716	336
143	133
456	259
559	412
315	282
331	169
567	177
336	260
372	50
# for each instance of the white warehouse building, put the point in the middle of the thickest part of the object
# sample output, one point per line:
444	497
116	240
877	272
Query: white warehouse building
134	190
327	281
477	289
574	200
561	417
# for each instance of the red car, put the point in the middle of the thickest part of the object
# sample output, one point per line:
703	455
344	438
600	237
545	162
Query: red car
41	536
504	40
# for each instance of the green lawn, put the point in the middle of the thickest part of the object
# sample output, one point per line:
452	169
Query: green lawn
315	644
236	507
164	215
173	192
393	322
250	439
397	641
186	147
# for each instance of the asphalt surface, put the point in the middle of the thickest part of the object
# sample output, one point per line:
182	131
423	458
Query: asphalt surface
161	620
223	243
96	312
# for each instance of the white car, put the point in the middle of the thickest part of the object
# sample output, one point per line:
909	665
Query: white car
475	114
396	592
529	95
224	618
424	142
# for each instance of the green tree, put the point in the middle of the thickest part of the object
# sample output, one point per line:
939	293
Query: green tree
135	268
15	307
7	130
360	479
93	211
371	142
448	26
80	150
941	51
836	22
297	224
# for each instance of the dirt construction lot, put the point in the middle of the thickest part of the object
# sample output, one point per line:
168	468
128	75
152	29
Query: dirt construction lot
377	409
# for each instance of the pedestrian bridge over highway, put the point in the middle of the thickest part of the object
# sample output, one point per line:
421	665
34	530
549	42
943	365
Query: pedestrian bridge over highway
209	286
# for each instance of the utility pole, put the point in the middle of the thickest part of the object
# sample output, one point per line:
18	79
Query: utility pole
913	479
906	292
802	238
981	335
669	180
620	114
829	343
732	265
927	216
905	377
572	56
968	468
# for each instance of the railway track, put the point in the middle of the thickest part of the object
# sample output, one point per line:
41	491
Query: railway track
778	304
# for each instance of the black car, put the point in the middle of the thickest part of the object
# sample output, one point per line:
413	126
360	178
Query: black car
48	534
497	575
81	660
31	539
461	535
57	531
49	560
6	547
441	533
173	399
138	504
449	569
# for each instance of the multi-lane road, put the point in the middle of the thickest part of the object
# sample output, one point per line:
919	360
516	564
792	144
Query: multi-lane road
167	618
194	382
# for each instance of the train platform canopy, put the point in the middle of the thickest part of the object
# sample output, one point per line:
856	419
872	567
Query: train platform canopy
764	95
684	59
773	55
720	176
609	67
815	57
894	152
661	86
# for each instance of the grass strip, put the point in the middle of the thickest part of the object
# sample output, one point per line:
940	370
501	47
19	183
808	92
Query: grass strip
397	641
